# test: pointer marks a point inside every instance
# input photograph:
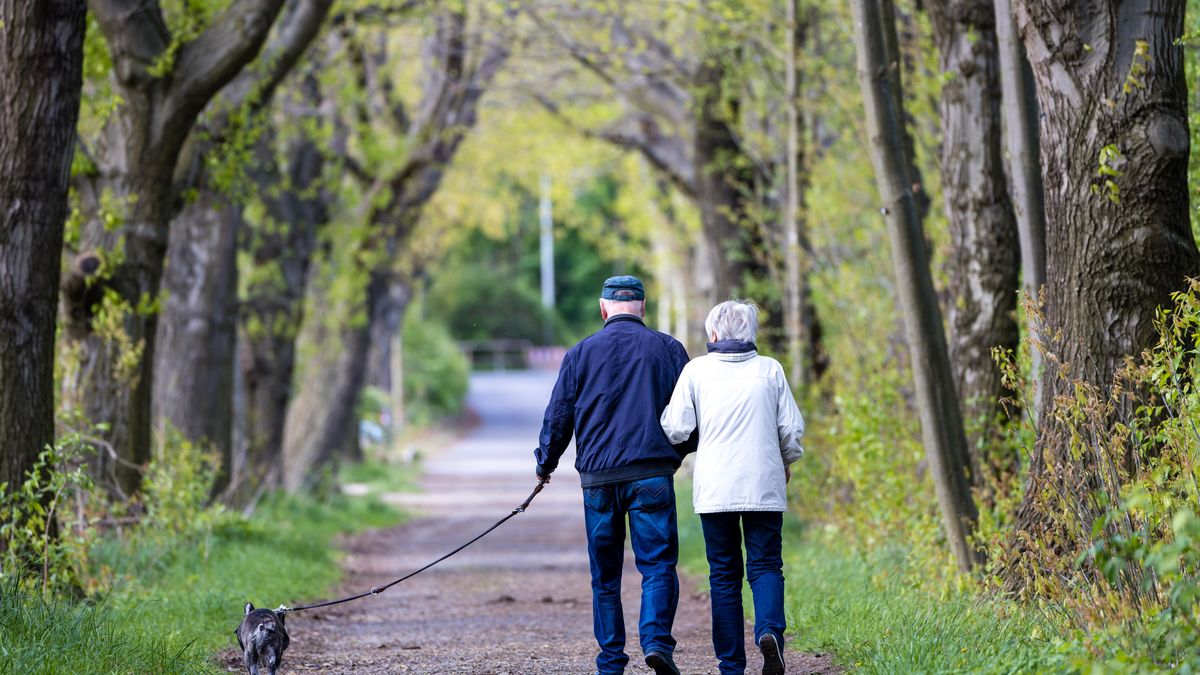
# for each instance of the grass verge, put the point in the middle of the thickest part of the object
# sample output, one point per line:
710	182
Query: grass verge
860	608
175	603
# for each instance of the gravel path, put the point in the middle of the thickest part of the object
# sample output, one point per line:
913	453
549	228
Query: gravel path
518	601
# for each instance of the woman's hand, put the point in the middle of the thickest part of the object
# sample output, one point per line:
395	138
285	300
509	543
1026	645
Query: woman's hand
787	473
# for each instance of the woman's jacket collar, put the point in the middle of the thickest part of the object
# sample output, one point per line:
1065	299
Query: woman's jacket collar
733	350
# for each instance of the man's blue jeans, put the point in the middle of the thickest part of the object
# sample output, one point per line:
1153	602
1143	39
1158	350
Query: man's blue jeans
723	536
650	504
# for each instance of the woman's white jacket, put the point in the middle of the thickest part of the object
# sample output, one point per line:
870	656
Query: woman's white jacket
750	427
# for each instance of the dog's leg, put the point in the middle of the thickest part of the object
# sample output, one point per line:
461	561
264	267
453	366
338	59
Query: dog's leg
272	661
251	661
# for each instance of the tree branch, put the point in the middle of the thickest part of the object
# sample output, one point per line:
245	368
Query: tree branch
639	132
208	63
137	36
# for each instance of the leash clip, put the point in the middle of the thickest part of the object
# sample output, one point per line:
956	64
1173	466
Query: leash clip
375	590
283	609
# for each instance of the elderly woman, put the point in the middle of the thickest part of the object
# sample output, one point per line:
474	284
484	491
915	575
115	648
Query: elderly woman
750	430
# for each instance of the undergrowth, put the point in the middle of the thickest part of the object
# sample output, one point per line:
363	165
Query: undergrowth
868	610
172	601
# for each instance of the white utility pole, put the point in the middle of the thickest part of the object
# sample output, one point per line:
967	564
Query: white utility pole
546	220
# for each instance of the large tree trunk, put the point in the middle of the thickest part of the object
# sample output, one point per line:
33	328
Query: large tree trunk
983	231
321	418
1114	130
197	332
128	197
941	420
273	310
800	318
723	185
41	61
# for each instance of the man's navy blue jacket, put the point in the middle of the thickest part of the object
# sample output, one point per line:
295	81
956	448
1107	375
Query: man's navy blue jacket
612	388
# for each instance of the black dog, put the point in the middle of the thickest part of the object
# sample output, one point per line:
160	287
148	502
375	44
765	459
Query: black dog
262	638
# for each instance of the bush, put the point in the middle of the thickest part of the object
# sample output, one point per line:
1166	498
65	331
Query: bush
1120	557
35	547
435	370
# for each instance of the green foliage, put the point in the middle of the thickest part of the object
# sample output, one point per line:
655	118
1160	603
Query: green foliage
866	607
34	549
1120	555
435	370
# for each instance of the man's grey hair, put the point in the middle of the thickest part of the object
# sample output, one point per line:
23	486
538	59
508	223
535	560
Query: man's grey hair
733	320
635	307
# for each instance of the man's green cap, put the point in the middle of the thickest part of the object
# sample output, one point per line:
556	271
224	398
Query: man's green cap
623	289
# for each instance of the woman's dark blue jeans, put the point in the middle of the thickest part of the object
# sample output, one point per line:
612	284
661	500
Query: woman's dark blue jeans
650	505
724	533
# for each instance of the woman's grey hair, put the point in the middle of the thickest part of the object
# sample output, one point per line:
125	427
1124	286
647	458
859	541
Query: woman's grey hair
733	320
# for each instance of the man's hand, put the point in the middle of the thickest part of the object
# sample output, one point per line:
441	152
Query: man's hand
544	479
787	473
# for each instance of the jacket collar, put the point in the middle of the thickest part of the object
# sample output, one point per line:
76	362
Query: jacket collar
731	347
623	317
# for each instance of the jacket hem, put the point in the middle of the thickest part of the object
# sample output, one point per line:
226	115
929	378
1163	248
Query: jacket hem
727	508
629	472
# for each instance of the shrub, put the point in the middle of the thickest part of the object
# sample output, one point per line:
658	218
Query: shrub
435	370
33	546
1121	555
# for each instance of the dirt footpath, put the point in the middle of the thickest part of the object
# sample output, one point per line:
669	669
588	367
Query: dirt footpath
518	601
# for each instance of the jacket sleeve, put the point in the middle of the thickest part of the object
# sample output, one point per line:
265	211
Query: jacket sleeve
679	417
559	423
790	423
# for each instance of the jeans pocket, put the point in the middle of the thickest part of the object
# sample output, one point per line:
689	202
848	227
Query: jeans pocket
598	498
652	494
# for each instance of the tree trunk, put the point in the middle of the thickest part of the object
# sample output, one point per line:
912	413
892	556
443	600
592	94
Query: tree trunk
983	231
322	416
128	199
1114	129
723	185
41	66
273	309
941	420
1020	111
800	317
197	330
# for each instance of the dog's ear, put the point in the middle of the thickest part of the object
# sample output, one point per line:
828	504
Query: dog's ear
249	607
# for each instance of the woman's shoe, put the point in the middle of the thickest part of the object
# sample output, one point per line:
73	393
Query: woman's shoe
772	653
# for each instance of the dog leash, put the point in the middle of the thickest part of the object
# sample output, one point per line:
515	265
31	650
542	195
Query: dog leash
379	589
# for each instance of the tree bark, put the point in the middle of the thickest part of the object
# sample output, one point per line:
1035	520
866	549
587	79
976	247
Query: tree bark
941	420
983	231
41	66
273	309
1020	111
323	414
723	184
1114	129
128	197
193	382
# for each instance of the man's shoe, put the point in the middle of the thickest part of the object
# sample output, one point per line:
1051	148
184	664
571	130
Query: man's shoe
662	664
772	653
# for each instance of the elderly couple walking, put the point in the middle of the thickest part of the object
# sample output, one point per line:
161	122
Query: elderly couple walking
635	407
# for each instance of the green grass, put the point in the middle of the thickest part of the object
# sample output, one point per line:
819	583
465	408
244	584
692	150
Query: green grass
859	608
176	603
380	477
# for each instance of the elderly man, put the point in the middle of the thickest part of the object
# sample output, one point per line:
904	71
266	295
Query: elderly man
612	388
